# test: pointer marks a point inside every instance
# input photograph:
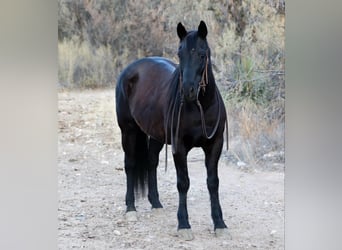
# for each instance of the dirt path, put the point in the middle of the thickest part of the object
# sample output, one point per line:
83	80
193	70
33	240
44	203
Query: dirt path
92	189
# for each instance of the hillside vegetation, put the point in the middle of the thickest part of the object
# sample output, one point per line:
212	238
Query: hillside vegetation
97	39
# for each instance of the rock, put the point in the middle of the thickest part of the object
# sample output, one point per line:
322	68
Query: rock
274	156
120	223
241	164
117	232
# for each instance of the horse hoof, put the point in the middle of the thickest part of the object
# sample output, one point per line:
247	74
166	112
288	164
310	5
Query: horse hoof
157	211
185	234
222	232
131	216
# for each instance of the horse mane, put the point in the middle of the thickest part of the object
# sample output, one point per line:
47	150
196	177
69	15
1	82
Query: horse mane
173	82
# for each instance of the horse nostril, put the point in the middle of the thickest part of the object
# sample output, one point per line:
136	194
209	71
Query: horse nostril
190	93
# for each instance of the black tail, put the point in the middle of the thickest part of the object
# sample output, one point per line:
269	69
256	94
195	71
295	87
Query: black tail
142	163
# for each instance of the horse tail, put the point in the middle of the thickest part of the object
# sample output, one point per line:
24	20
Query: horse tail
140	171
139	149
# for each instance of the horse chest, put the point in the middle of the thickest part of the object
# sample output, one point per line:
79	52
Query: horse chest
191	131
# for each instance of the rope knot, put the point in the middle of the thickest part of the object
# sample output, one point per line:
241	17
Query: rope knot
204	80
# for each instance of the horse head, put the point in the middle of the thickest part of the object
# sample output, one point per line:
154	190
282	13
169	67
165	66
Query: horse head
194	56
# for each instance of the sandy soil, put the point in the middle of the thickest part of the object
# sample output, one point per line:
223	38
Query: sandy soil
92	188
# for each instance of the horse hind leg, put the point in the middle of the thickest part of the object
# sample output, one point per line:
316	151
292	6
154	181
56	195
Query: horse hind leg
142	162
128	143
153	154
134	143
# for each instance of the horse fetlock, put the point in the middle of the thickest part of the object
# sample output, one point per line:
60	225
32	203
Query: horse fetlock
154	200
157	205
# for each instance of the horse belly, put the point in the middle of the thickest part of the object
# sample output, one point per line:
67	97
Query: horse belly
148	110
151	121
149	96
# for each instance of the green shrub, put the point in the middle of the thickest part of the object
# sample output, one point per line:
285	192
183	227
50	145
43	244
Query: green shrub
249	83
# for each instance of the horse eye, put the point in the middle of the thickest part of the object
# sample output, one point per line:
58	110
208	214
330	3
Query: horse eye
180	48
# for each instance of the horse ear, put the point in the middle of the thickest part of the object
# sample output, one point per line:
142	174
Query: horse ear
181	31
202	30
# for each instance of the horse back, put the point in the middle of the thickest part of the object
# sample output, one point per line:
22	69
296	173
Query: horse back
142	92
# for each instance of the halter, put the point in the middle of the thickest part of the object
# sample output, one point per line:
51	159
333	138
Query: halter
204	80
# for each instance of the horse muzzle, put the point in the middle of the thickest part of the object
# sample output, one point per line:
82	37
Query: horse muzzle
190	93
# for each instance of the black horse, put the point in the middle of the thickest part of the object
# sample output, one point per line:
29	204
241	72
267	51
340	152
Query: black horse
159	102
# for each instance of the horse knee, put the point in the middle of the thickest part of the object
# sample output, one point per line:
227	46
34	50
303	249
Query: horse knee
183	185
129	164
213	183
153	162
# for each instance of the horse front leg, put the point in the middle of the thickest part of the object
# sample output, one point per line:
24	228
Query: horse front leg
183	184
212	155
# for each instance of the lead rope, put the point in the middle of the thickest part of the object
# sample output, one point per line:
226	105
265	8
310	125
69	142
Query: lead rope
203	119
173	144
227	135
203	83
204	80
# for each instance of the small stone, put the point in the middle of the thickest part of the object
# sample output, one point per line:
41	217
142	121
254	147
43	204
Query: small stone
117	232
241	164
273	232
120	223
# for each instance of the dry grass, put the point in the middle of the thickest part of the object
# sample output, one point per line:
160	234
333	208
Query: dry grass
82	66
252	133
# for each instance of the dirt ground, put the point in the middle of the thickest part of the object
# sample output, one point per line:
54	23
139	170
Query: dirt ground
91	185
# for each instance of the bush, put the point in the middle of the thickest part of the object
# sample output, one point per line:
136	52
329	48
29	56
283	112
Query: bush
83	66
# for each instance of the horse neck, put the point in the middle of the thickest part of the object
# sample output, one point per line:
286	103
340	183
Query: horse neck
207	98
174	91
